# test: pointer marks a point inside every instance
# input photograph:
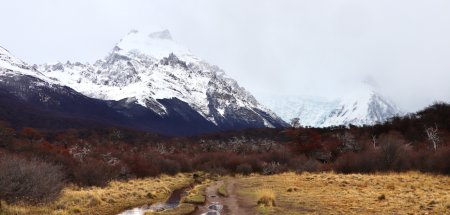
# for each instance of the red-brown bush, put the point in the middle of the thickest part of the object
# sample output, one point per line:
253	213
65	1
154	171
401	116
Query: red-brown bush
30	181
141	166
92	172
244	169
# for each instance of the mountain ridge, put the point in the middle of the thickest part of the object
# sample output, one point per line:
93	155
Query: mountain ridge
149	69
366	107
180	87
141	73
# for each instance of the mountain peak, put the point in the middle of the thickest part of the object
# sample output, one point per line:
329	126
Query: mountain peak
155	33
154	42
164	35
152	83
362	106
4	53
3	50
9	61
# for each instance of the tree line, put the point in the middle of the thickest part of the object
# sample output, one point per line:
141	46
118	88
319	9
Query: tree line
49	159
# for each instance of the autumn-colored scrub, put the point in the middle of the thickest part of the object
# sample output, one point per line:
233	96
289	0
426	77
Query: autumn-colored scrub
110	200
331	193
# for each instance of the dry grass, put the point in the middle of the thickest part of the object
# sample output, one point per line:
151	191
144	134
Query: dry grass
289	193
222	190
115	198
197	194
266	197
330	193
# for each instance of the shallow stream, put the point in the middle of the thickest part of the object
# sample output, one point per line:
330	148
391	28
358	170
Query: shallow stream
172	202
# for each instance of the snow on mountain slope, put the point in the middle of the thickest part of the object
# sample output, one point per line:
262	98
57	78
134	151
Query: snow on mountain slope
156	42
8	60
13	66
28	98
361	107
148	66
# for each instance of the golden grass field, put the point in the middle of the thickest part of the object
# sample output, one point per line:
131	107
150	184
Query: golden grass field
113	199
330	193
307	193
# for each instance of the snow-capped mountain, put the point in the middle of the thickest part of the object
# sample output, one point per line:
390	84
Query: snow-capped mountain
362	107
29	98
12	66
148	81
148	66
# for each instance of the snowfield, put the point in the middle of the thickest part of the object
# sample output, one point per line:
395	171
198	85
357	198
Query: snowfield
361	107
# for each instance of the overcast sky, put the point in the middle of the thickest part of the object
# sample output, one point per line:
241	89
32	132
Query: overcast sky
315	47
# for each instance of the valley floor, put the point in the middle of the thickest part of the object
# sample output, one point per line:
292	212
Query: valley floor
112	199
290	193
330	193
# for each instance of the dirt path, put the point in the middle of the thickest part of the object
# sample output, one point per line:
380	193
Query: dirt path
230	203
234	205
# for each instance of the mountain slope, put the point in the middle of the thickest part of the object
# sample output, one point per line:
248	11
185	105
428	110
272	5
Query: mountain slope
366	107
29	98
147	82
148	66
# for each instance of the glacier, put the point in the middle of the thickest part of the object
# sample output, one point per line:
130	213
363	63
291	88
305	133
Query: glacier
364	106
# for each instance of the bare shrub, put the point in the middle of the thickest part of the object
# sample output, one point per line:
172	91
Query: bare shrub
311	165
169	166
297	161
211	161
256	163
184	162
244	169
390	150
94	173
272	168
439	161
30	181
141	166
363	162
281	157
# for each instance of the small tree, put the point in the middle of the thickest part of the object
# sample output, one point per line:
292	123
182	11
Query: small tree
374	141
391	147
295	122
432	134
31	134
66	138
115	135
6	133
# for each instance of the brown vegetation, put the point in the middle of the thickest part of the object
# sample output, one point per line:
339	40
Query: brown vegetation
94	157
112	199
30	181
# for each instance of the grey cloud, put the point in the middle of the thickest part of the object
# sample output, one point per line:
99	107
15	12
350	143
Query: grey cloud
300	47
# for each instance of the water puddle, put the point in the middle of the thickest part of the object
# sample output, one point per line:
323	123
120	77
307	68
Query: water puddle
214	209
172	202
